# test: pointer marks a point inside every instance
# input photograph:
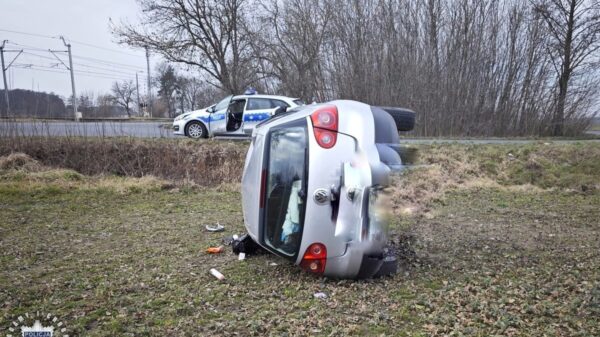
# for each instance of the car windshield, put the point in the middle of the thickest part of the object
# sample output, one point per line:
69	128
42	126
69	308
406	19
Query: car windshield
286	197
224	103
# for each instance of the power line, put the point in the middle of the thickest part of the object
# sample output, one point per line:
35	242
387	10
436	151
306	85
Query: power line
80	73
79	42
88	65
104	48
30	34
91	59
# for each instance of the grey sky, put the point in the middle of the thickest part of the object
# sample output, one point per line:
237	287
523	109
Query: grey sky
80	21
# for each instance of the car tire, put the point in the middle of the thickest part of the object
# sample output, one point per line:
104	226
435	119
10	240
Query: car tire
196	130
404	118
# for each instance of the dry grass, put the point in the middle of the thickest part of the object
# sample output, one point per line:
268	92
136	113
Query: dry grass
533	167
19	161
125	256
205	163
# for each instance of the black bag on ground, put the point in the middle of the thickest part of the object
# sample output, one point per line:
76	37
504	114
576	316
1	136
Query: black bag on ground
246	245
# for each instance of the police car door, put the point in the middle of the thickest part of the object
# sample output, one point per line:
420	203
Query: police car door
257	110
218	118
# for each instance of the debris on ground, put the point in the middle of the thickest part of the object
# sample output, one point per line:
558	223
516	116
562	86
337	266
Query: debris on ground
320	295
242	256
217	228
228	240
245	244
217	274
214	250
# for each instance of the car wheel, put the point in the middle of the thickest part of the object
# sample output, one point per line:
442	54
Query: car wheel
404	118
196	130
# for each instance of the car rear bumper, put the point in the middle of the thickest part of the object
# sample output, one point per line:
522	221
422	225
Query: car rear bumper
354	264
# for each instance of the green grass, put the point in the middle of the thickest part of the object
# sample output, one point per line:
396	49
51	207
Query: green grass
125	257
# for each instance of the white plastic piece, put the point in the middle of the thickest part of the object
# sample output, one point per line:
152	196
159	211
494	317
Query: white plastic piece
242	256
320	295
217	274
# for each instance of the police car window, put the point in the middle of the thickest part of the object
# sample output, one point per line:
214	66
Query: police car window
285	199
224	103
275	103
258	104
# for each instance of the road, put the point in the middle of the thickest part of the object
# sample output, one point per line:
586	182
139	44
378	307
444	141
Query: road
161	130
89	129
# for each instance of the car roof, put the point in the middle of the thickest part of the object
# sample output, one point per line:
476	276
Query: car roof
264	96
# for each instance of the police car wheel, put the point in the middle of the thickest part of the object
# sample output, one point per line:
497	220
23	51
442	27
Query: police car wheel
196	130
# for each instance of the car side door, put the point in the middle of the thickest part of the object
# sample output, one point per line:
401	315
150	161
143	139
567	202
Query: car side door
218	116
258	109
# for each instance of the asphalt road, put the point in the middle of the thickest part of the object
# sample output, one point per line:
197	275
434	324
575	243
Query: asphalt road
158	130
87	129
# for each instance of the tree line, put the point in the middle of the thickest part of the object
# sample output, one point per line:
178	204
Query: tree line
468	67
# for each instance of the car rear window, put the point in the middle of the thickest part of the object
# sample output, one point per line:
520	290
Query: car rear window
286	181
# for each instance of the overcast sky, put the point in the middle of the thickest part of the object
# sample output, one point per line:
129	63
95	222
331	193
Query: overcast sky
85	23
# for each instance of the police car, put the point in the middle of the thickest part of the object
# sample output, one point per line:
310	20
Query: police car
233	116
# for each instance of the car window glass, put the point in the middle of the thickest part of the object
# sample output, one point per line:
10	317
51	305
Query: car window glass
299	101
284	209
222	104
258	104
275	103
237	107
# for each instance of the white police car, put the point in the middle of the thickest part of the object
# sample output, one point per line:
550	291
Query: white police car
233	116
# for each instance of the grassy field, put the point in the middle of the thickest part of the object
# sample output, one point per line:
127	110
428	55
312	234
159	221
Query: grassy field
496	240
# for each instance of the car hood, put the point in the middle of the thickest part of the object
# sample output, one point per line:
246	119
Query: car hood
199	113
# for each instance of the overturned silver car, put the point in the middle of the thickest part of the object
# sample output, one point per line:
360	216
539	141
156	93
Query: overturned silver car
312	186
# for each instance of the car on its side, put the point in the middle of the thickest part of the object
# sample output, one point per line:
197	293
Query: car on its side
233	116
313	181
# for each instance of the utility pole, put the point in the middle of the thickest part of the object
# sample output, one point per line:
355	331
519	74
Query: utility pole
137	89
4	77
149	88
4	69
68	45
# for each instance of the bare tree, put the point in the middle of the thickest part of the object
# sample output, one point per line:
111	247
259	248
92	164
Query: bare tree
574	38
469	67
290	40
207	34
123	94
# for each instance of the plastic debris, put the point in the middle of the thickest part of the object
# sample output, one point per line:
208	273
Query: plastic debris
217	228
217	274
242	256
272	264
214	250
320	295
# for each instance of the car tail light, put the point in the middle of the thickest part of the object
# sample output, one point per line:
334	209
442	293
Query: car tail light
314	258
325	125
